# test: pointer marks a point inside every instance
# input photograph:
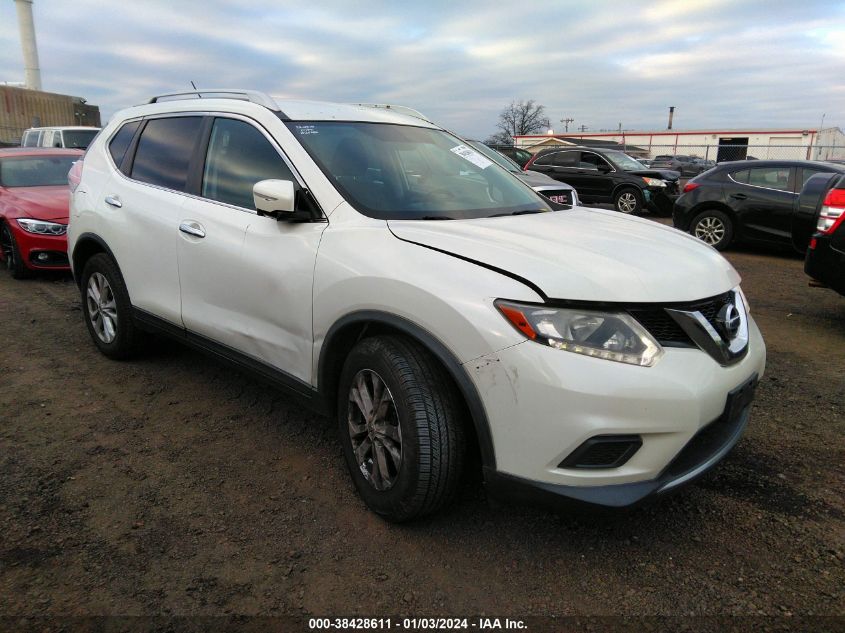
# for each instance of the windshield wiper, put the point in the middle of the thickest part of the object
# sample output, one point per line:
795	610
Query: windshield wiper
525	212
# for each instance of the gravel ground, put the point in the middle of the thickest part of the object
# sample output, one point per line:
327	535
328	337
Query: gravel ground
172	485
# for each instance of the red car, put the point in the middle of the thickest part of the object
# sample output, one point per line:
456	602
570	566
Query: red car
34	198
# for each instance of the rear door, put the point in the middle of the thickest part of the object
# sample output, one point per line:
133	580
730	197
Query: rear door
246	280
143	204
763	199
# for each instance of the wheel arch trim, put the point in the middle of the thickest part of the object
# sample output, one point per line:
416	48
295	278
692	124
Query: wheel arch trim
434	345
82	240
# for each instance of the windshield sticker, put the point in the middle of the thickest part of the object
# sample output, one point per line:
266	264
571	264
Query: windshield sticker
306	129
467	153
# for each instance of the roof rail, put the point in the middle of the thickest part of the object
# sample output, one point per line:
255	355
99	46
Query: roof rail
253	96
397	108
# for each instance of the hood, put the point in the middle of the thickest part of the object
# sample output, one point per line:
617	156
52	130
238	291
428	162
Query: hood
584	255
665	174
41	203
536	179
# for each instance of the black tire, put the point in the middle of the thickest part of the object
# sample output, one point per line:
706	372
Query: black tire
432	439
127	337
628	200
12	254
713	227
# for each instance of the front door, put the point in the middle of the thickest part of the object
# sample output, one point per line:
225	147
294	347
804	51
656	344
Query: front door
246	280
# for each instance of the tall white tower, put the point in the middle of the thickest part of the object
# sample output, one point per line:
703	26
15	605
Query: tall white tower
26	26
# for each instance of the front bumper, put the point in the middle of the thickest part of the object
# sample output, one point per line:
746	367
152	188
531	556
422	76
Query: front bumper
41	252
544	403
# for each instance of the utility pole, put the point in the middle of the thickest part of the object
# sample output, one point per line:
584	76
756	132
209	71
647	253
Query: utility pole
566	123
583	128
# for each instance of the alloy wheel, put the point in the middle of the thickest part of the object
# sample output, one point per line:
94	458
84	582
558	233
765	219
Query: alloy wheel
710	230
7	247
102	307
374	430
627	202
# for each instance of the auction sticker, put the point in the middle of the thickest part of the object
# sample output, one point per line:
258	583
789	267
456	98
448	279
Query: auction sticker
467	153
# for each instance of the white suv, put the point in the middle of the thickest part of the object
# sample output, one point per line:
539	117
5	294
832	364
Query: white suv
376	266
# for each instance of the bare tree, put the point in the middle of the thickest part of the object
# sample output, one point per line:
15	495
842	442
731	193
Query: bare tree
520	117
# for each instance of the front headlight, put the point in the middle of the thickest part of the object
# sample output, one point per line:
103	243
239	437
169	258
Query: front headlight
654	182
615	336
41	227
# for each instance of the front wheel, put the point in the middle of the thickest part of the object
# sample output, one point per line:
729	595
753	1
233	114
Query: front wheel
12	254
713	227
628	201
400	426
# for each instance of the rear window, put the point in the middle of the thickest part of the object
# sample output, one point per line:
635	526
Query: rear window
30	139
35	171
164	151
78	139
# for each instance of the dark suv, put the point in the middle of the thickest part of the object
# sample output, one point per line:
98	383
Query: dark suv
750	201
604	175
825	259
686	165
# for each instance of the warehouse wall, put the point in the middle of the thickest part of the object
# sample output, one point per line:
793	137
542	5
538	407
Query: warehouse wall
21	108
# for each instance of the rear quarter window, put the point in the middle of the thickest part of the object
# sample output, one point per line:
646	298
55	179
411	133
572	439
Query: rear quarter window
120	141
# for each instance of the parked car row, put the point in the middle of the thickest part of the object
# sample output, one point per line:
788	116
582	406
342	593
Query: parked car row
609	176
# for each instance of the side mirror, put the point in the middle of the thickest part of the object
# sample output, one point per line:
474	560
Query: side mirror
274	198
603	168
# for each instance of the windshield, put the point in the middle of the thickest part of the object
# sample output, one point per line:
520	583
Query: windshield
41	171
493	155
625	162
401	172
78	139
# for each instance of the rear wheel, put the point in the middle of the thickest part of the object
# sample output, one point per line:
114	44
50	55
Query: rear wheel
713	227
107	310
400	426
12	254
628	200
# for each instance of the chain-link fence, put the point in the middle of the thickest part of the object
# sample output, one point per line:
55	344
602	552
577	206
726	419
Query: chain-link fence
10	136
722	153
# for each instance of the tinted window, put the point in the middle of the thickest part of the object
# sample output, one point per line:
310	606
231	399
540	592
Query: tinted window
42	171
771	177
591	161
546	159
809	173
238	157
120	141
567	159
164	151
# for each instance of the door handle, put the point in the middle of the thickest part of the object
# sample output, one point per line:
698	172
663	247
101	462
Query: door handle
739	196
192	228
114	201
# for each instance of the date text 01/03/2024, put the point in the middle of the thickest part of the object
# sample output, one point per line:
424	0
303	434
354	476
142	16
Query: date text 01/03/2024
413	624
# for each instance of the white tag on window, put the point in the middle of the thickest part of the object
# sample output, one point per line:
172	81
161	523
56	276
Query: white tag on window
467	153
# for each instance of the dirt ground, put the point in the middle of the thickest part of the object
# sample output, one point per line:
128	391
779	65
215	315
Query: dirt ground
172	485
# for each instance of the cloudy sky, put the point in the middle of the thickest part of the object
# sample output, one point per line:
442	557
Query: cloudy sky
725	64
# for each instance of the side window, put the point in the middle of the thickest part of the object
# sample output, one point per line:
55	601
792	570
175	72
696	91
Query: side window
773	178
238	157
741	176
566	159
809	173
120	141
591	161
546	159
164	151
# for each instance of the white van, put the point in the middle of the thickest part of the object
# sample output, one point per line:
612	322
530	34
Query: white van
76	137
